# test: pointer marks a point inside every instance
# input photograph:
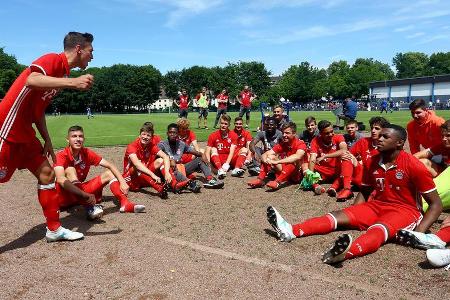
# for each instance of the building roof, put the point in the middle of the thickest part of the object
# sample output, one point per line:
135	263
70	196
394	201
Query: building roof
408	81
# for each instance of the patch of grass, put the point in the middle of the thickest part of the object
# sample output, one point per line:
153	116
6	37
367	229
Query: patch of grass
111	130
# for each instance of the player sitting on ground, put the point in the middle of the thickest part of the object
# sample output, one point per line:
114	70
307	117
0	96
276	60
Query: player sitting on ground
268	138
395	177
284	158
352	135
442	149
72	167
326	151
279	116
221	147
425	128
188	137
307	136
141	162
175	148
241	153
361	153
437	255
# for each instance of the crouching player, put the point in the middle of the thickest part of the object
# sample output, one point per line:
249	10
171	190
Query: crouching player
72	167
285	158
395	177
326	152
242	153
221	147
141	161
175	149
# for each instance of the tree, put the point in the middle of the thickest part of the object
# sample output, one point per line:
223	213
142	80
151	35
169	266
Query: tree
9	70
439	63
411	64
365	70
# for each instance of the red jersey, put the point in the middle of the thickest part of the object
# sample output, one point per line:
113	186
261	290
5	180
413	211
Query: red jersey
188	137
243	137
222	105
245	98
287	149
318	147
82	164
183	101
22	106
143	152
364	149
441	150
222	143
400	184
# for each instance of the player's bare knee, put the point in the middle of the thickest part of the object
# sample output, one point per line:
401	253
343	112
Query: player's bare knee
341	218
71	174
107	176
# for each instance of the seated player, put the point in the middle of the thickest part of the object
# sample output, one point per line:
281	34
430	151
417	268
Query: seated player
326	152
279	116
425	128
267	138
361	153
393	180
437	255
307	136
442	149
221	147
175	149
242	153
188	137
352	135
143	158
285	158
72	167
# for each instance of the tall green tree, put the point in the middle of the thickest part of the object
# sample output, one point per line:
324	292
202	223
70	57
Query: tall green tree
439	63
411	64
365	70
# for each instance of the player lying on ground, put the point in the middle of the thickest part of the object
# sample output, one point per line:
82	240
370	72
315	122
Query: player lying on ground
143	159
441	150
362	151
242	154
266	139
437	255
395	177
175	149
72	168
284	159
221	147
25	104
326	152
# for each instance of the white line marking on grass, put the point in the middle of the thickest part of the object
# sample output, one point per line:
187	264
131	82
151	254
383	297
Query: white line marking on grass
227	254
110	136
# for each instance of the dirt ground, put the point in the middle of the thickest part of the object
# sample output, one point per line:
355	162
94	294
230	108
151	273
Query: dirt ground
212	245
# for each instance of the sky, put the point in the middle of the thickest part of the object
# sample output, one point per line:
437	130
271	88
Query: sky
177	34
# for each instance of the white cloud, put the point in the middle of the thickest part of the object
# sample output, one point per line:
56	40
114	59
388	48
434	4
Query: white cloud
435	38
404	28
271	4
247	20
415	35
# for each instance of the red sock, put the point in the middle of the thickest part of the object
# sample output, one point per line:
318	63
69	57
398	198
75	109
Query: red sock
346	173
128	207
48	198
367	243
115	189
444	234
264	169
319	225
148	181
216	161
240	161
336	184
286	172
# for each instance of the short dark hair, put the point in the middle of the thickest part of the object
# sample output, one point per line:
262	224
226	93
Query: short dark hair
290	125
226	118
354	122
147	127
399	130
269	118
72	39
446	125
323	124
418	103
238	119
310	119
278	106
378	120
172	125
75	128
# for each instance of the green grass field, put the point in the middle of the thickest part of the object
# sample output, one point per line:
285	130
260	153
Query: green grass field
109	130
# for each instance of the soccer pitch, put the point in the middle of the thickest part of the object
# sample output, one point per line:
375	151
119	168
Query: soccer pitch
121	129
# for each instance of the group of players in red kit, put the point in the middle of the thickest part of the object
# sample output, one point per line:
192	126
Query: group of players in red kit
388	178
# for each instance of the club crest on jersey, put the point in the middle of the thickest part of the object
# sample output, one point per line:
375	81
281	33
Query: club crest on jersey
3	172
229	140
399	175
82	166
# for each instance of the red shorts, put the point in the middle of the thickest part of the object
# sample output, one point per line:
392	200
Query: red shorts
394	218
187	157
327	174
223	159
20	156
93	186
